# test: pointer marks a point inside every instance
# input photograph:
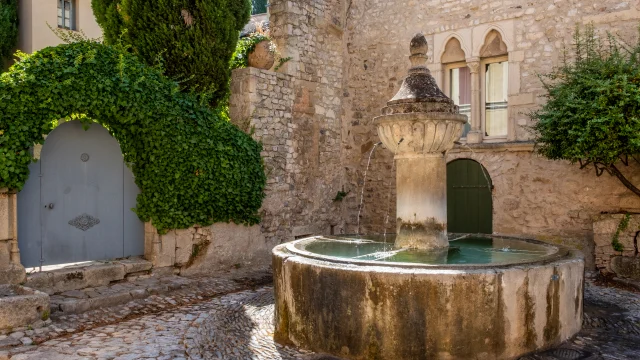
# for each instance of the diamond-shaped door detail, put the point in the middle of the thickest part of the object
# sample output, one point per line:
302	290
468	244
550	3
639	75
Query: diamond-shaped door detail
84	222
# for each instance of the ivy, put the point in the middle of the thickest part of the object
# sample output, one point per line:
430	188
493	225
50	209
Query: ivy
622	226
191	165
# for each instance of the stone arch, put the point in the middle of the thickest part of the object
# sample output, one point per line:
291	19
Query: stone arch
453	50
493	45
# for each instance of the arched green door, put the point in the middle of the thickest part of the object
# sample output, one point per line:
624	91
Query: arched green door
469	204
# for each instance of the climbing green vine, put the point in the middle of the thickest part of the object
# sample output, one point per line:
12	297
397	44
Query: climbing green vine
191	166
622	226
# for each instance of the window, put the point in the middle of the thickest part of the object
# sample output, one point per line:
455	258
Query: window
258	7
458	79
460	92
66	14
496	114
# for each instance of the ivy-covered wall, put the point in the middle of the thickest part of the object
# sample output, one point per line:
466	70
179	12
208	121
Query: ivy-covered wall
191	165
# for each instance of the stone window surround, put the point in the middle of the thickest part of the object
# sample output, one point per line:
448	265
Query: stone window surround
471	41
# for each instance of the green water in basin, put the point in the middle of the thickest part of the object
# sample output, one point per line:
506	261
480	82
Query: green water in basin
464	250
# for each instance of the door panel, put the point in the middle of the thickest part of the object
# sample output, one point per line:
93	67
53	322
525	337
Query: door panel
469	202
29	225
84	203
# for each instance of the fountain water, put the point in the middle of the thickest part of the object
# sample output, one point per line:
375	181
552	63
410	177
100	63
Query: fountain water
364	183
418	294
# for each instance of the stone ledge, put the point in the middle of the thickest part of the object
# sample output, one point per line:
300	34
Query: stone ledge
21	306
80	301
525	146
94	274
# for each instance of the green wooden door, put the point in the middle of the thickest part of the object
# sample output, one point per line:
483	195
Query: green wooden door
469	205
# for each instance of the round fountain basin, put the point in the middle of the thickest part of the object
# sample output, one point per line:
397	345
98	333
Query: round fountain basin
487	298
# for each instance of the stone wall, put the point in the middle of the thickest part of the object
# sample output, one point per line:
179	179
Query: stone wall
552	201
311	32
11	271
548	200
261	104
202	250
624	263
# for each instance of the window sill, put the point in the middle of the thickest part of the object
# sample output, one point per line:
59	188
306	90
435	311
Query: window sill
64	28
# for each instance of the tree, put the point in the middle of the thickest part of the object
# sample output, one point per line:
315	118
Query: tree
592	115
193	40
8	28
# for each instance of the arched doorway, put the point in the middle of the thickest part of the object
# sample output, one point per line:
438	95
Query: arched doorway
76	204
469	202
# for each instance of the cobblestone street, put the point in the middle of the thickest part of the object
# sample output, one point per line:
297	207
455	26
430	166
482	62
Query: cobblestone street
238	325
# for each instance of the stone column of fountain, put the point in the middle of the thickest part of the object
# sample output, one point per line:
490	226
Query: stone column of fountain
419	125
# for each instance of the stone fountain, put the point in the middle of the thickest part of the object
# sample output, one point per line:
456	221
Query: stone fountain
420	294
419	125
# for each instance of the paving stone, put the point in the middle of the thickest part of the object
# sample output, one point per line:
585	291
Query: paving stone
78	294
218	318
9	342
134	265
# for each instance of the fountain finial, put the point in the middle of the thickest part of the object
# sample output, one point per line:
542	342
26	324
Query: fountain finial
419	87
418	48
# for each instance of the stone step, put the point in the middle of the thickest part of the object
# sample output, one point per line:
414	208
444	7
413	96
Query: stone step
93	274
79	301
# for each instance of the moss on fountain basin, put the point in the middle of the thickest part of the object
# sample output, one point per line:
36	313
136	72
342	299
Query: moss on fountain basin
375	310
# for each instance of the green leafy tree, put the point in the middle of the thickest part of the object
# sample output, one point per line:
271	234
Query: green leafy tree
193	40
592	115
8	28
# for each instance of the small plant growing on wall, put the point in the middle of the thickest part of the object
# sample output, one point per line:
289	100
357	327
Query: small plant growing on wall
622	226
592	116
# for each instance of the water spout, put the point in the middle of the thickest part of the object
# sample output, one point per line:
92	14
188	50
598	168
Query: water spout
364	183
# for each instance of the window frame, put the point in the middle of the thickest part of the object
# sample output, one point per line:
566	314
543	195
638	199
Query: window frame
72	15
483	98
447	85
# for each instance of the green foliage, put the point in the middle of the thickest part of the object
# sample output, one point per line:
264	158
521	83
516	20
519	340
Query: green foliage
192	40
191	166
622	226
8	28
341	195
281	62
592	115
245	47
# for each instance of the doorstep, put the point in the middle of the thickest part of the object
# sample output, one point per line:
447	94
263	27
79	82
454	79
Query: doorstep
87	275
91	298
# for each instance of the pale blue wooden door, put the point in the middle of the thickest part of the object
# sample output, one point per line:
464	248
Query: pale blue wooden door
85	198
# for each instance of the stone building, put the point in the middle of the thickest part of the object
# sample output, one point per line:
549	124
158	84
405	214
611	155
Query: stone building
349	58
314	116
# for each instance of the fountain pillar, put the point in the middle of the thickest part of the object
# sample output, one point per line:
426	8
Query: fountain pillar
421	201
419	125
